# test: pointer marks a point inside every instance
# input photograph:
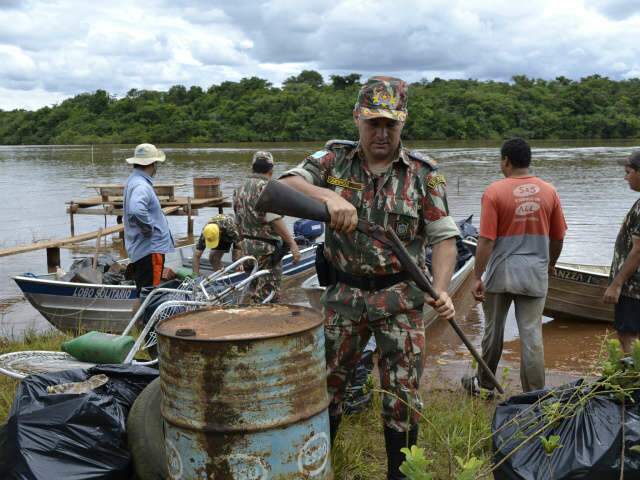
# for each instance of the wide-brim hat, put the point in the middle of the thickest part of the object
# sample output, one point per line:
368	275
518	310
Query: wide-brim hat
146	154
262	156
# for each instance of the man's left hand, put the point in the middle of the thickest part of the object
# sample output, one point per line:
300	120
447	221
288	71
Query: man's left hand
443	305
612	294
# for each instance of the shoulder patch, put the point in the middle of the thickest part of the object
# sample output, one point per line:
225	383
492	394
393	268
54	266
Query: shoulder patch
319	154
415	155
340	144
435	180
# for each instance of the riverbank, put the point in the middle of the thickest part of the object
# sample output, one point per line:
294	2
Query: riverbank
452	425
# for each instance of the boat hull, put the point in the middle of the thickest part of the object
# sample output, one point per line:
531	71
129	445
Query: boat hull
576	292
70	306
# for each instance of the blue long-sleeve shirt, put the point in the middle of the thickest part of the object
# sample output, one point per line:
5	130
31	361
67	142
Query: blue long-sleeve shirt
146	229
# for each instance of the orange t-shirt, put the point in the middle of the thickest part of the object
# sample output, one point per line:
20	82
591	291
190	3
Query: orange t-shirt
521	206
521	215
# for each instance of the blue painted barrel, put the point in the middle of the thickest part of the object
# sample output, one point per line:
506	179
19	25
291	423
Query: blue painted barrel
244	394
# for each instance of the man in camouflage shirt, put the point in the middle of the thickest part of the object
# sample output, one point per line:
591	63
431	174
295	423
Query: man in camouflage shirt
219	235
624	288
378	180
263	235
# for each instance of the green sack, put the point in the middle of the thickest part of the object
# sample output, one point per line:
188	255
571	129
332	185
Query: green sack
183	272
99	347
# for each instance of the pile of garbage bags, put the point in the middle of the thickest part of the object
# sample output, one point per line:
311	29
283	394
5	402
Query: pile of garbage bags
541	438
107	271
72	424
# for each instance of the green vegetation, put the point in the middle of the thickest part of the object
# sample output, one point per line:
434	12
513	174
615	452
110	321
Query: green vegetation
308	109
454	440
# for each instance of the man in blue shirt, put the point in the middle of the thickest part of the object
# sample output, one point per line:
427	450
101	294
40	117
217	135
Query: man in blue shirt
146	230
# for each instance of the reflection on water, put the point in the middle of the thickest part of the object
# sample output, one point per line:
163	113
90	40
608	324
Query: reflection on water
35	183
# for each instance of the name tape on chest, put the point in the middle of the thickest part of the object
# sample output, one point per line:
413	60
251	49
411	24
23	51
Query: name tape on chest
435	181
341	182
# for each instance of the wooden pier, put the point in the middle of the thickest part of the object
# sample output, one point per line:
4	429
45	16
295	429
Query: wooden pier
108	202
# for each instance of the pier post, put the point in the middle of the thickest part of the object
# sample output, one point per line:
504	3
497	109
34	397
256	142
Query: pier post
53	258
119	222
71	212
189	219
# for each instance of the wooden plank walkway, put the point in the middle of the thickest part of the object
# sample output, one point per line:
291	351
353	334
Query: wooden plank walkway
4	252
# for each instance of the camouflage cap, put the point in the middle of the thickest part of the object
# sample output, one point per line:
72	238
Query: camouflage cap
265	156
383	97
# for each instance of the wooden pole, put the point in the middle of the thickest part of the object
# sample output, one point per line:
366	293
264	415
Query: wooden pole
71	211
95	256
119	222
53	258
189	219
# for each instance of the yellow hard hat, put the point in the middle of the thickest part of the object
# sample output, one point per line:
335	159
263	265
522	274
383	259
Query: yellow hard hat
211	235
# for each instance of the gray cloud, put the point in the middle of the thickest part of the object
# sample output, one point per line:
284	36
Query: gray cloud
12	4
69	47
616	9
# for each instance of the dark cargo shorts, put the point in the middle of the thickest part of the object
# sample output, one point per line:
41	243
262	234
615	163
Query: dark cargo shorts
627	315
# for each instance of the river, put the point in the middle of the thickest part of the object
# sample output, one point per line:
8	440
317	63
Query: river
36	181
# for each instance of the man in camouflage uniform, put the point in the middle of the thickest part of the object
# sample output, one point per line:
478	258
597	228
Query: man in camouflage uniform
219	235
624	288
378	180
263	235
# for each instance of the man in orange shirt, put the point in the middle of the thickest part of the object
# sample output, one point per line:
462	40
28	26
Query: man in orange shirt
522	228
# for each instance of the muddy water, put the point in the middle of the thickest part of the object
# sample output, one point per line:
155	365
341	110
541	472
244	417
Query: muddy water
35	183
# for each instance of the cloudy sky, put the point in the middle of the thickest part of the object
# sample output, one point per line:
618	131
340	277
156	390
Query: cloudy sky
54	49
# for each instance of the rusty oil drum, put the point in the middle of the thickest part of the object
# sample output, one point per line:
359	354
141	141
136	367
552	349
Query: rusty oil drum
244	394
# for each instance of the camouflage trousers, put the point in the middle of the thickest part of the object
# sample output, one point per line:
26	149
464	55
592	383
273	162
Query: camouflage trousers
401	345
262	287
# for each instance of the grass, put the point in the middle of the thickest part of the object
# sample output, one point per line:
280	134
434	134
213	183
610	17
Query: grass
31	341
451	425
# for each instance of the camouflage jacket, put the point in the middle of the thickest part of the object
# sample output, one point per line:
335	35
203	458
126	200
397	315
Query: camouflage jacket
630	228
410	197
249	221
228	230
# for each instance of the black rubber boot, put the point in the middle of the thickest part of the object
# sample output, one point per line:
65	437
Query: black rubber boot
394	441
334	423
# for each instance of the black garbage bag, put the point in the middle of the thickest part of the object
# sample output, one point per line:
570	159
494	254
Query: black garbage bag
72	436
82	271
591	440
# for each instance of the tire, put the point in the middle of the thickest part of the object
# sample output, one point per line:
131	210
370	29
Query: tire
145	433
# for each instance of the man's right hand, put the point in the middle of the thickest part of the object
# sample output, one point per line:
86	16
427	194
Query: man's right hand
478	290
344	216
295	253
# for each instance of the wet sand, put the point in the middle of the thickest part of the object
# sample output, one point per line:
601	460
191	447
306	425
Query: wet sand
572	348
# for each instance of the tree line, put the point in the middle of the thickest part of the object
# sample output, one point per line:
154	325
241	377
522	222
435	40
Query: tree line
306	108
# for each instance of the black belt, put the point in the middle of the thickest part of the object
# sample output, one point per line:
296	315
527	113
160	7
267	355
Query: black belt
373	283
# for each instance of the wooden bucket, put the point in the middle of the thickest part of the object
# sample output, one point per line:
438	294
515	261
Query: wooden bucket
206	187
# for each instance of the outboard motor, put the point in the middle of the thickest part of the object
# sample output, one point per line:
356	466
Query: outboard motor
305	232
